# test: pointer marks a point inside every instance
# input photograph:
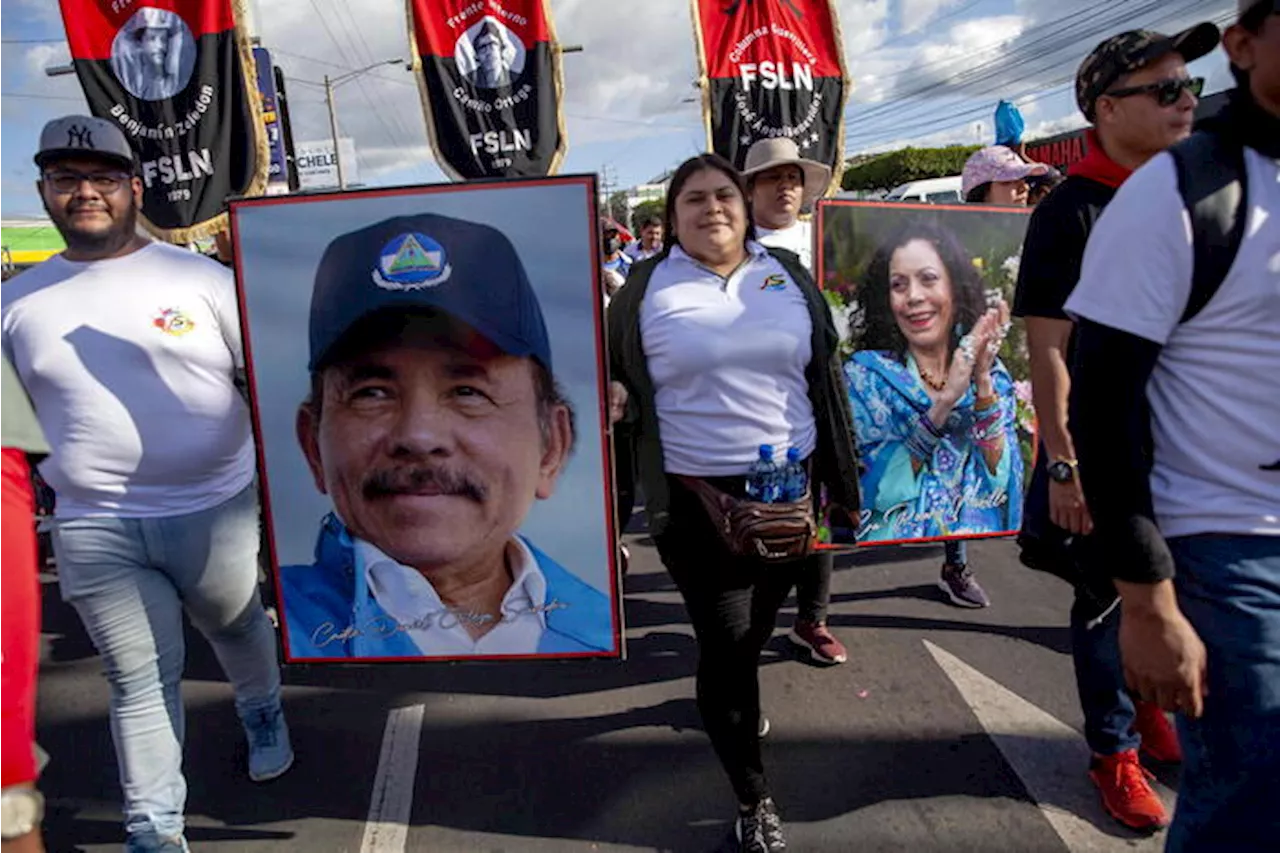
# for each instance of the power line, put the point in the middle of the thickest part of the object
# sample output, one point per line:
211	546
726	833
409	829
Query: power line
1028	49
992	72
956	120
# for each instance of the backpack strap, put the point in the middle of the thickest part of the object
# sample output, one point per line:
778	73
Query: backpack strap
1211	180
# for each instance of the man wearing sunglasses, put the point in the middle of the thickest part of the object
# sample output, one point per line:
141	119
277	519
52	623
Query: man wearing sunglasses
129	350
1177	417
1135	91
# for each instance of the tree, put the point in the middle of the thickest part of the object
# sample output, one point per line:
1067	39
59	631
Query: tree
645	209
908	164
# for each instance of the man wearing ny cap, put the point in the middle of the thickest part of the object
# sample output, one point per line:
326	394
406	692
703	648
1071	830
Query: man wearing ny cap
1135	90
130	352
1176	414
434	423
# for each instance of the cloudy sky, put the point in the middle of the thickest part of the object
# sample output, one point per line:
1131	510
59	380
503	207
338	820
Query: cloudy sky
924	71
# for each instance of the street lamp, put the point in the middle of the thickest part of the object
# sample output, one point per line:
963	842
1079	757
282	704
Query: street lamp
331	83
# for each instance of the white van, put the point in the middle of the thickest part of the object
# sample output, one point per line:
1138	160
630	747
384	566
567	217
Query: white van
930	191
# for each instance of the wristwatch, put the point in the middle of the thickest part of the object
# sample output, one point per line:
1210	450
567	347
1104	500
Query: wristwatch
1063	470
21	810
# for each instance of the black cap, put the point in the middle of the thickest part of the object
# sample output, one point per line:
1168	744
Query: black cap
464	269
1127	52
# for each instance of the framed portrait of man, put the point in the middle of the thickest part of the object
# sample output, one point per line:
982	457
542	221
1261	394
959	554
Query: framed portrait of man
426	371
936	370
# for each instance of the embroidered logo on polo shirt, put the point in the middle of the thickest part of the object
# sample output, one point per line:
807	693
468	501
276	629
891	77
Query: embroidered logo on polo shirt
777	281
172	321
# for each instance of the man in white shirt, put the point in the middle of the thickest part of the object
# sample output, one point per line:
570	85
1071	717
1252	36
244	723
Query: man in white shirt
782	185
130	350
1175	411
434	424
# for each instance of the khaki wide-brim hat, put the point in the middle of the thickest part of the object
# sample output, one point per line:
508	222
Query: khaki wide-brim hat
767	153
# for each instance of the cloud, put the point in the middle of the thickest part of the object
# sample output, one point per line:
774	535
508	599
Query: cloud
917	13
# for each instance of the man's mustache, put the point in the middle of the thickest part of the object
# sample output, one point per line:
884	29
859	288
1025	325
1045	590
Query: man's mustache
413	479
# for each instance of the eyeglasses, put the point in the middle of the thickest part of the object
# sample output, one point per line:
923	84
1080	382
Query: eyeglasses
1165	92
68	182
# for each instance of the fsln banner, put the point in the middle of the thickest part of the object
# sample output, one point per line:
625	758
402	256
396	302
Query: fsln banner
771	68
491	85
177	77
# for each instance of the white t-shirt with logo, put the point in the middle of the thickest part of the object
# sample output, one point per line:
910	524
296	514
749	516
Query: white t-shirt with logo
130	364
728	359
1215	390
797	237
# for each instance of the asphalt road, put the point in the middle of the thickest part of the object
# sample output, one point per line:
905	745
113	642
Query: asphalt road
947	730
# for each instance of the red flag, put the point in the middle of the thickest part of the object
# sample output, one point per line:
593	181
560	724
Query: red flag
491	85
772	68
173	75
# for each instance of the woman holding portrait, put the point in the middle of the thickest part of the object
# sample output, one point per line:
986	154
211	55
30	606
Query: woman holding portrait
719	346
933	406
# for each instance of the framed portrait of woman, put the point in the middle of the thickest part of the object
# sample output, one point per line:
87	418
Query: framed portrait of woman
937	373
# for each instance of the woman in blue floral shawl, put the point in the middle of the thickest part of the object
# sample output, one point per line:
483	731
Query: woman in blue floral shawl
933	406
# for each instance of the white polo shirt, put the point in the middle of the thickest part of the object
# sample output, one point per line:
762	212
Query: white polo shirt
728	359
130	363
410	599
1215	390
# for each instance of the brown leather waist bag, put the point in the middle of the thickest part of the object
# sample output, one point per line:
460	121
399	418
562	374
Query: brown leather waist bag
772	532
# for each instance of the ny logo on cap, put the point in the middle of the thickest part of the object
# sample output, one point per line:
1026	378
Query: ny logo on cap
411	261
79	136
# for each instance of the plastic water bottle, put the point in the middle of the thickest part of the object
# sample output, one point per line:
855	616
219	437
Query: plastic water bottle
794	478
764	482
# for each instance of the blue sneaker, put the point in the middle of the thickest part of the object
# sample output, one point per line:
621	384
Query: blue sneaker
270	753
150	842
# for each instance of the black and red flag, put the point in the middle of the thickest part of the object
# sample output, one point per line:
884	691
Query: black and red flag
172	74
771	68
489	74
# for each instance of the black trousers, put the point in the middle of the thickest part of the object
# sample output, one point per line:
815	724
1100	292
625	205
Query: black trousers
733	604
813	587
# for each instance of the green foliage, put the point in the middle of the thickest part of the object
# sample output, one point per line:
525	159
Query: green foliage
645	209
887	171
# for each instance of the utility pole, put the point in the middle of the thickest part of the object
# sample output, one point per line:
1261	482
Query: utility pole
329	85
333	129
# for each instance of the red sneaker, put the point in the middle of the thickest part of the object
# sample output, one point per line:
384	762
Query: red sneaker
821	643
1126	791
1159	738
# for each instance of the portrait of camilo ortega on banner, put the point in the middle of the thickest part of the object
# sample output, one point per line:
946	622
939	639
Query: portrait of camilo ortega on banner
427	384
936	370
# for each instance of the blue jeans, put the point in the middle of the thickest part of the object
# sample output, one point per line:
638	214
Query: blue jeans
956	553
1229	798
1104	699
129	578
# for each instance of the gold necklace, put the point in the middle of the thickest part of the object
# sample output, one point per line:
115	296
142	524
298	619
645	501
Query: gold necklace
929	380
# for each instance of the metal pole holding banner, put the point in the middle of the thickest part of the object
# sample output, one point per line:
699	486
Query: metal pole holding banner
333	129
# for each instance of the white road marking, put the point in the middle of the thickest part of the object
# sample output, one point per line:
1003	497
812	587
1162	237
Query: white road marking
391	805
1050	757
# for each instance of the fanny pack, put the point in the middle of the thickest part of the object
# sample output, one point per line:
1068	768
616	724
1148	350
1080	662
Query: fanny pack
772	532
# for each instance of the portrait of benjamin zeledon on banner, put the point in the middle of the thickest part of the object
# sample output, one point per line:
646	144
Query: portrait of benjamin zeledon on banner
937	371
427	375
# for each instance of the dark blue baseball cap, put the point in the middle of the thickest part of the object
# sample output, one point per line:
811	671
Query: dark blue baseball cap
466	270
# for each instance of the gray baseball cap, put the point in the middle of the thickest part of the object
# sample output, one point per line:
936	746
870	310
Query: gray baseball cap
84	136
